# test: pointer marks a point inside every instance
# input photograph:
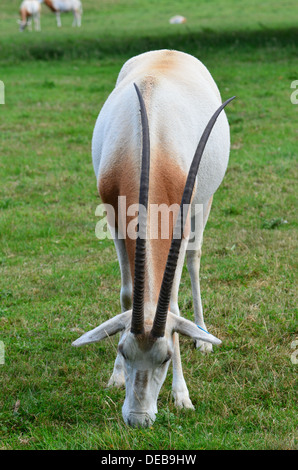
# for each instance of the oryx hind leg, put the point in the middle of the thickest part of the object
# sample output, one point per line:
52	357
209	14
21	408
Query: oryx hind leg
118	378
194	251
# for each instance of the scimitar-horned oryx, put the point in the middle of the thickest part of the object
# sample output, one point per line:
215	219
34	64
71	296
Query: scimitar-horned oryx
65	6
30	9
178	97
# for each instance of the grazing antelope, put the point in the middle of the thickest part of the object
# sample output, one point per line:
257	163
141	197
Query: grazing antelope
30	9
65	6
177	97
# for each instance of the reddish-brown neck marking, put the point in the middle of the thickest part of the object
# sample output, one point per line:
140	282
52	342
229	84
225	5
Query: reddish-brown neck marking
49	3
166	187
24	13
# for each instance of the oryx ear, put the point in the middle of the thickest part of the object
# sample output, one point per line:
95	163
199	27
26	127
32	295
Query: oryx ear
188	328
108	328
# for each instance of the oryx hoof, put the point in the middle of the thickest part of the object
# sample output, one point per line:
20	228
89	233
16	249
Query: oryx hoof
204	347
182	400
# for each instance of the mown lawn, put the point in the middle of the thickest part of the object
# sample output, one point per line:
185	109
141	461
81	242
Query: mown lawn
58	280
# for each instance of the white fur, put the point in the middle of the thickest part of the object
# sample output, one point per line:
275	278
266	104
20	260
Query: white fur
184	99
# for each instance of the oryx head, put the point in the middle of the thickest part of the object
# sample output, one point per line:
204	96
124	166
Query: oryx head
22	24
147	336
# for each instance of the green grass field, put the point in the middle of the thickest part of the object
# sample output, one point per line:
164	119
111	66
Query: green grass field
58	280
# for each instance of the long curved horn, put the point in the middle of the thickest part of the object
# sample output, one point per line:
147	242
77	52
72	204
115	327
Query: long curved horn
137	320
160	319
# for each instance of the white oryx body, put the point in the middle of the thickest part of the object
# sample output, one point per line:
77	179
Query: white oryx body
65	6
30	9
180	97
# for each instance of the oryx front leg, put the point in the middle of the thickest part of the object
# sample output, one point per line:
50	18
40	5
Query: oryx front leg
118	378
58	18
179	387
37	22
126	281
194	252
